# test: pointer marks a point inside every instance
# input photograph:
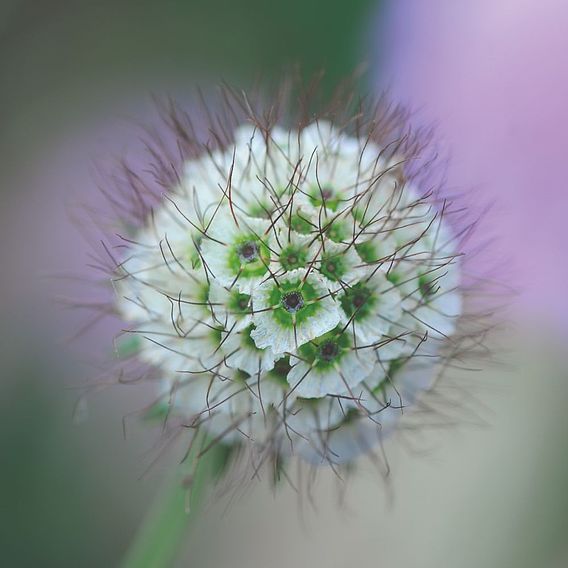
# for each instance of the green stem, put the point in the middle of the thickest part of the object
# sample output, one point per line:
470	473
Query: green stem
158	540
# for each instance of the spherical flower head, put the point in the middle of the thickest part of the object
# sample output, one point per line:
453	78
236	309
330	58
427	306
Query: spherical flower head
287	286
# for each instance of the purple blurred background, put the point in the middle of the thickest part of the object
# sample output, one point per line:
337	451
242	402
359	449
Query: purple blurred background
492	76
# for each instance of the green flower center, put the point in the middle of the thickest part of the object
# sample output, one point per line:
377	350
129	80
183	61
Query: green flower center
249	257
358	301
301	224
368	252
333	267
293	257
338	231
328	351
294	302
239	304
324	196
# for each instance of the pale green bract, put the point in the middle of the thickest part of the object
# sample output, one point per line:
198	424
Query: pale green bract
294	292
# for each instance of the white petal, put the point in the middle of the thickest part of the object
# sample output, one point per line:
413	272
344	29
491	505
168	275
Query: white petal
241	356
311	382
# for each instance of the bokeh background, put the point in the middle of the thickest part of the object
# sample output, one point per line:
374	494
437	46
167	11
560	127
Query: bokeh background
491	75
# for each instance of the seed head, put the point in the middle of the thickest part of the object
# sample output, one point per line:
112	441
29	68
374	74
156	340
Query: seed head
293	276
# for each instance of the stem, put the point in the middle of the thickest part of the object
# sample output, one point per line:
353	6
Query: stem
158	539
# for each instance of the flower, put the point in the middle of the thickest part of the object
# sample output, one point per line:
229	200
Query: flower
329	365
236	254
292	310
295	287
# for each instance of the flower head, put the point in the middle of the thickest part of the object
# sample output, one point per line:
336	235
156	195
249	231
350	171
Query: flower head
296	286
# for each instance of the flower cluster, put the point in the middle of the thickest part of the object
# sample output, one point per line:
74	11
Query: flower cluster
294	289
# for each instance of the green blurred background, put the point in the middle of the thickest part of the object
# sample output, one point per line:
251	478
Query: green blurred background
70	493
62	58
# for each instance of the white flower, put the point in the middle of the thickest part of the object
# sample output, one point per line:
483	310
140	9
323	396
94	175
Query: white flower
231	308
294	250
237	254
292	310
341	265
370	307
329	365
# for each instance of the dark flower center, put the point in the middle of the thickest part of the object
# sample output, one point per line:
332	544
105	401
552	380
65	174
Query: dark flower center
282	367
292	302
293	256
328	350
292	259
359	300
326	193
330	266
248	252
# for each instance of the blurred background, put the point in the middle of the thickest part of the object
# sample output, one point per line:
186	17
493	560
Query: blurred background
490	74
